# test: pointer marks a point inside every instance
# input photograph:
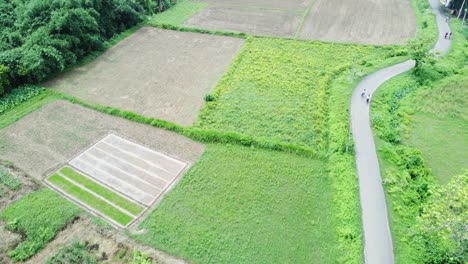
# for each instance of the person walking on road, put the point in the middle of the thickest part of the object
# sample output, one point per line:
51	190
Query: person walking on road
363	92
446	35
450	35
368	99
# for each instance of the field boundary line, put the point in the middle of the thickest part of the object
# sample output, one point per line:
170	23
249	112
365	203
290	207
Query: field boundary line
97	195
84	206
303	19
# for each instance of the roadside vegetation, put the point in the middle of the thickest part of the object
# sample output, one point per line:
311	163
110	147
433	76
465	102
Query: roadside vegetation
278	89
76	253
38	217
420	119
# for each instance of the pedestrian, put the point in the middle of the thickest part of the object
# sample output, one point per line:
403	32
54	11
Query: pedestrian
368	99
450	35
446	35
363	92
447	19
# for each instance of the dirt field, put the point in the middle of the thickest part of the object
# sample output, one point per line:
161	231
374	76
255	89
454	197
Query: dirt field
156	73
267	18
355	21
361	21
46	139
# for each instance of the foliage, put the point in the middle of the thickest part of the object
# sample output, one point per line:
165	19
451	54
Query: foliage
178	14
38	217
9	180
238	205
278	89
76	253
447	97
4	81
444	223
18	96
43	37
141	258
90	200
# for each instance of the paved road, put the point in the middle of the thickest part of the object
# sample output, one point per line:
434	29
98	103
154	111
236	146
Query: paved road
378	247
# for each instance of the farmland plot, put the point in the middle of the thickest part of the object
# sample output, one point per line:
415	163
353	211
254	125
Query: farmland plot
45	140
156	73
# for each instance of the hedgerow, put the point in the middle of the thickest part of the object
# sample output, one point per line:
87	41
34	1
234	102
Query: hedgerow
18	96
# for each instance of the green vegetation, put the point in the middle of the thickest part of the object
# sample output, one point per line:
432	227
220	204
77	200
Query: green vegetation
177	14
420	120
18	96
278	89
8	180
38	217
90	200
102	191
141	258
241	204
76	253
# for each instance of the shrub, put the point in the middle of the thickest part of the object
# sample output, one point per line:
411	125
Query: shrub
76	253
4	80
18	96
209	98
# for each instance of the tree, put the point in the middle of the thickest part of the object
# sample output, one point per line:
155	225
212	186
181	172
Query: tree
444	223
4	79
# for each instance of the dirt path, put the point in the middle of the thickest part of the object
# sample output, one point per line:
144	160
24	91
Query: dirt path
378	247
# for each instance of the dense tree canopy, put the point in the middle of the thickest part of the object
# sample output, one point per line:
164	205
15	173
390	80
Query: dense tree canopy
41	37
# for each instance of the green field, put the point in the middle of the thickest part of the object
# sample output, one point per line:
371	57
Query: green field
244	205
102	191
177	14
90	200
279	89
38	217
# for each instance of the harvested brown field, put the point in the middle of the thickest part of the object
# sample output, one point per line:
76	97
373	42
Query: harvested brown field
266	18
156	73
355	21
46	139
361	21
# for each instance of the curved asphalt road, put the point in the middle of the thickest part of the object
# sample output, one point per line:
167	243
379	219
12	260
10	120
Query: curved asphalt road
378	248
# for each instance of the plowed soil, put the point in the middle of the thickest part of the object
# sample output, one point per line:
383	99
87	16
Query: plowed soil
46	139
156	73
361	21
355	21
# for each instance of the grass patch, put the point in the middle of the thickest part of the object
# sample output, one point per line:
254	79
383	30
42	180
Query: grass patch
443	143
90	200
102	191
38	216
241	204
278	89
27	106
8	180
177	14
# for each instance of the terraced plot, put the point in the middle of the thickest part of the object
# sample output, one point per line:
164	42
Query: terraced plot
117	179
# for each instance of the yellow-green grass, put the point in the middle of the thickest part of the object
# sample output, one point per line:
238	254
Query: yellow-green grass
90	200
278	89
102	191
248	205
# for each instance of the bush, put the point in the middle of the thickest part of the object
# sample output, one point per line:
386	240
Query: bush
18	96
4	81
209	98
76	253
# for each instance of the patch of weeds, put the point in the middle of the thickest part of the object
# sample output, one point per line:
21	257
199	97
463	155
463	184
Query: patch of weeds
8	180
37	217
76	253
